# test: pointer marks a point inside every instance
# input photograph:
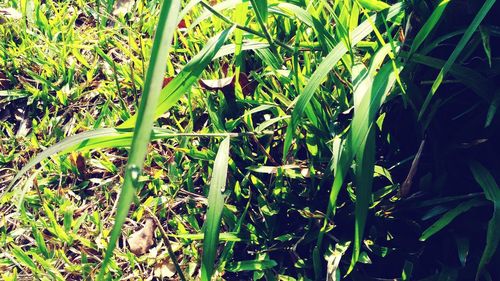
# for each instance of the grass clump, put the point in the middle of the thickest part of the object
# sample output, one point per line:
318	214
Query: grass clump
276	140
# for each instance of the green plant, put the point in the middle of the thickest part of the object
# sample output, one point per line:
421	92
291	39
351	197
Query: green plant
323	112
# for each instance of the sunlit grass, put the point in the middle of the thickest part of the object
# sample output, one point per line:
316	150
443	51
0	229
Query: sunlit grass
263	135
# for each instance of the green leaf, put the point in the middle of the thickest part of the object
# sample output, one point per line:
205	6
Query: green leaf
492	193
449	216
251	265
428	26
23	258
186	78
456	52
327	64
144	121
261	8
373	5
211	227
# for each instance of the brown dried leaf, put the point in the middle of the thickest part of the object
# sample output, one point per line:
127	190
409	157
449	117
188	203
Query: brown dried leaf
141	241
78	161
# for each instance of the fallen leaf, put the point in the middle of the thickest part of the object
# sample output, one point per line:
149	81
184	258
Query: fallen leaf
10	13
166	80
141	241
217	84
122	7
78	161
164	269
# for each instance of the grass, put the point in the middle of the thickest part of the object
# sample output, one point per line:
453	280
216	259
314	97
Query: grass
276	140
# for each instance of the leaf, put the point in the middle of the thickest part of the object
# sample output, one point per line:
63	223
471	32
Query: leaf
186	78
211	227
144	120
142	240
456	52
492	193
428	26
485	38
251	265
260	7
327	64
373	5
23	258
449	216
164	269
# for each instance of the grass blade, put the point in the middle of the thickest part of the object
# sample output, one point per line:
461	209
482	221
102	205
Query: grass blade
145	117
187	77
448	217
492	193
373	5
456	52
428	26
251	265
322	71
364	179
214	213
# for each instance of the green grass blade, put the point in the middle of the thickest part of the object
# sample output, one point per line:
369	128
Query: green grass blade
428	26
469	77
251	265
346	151
261	8
214	213
364	179
373	5
324	68
448	217
492	193
369	95
261	12
456	52
145	117
187	77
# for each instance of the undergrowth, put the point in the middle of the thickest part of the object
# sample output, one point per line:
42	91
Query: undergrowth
274	140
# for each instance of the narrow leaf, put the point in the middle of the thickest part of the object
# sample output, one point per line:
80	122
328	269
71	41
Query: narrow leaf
145	118
214	213
492	193
456	52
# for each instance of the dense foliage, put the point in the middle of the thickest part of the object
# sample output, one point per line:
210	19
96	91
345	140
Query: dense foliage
260	139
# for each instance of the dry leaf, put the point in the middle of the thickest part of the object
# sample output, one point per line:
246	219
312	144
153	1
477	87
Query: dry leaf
164	268
78	161
122	7
10	13
141	241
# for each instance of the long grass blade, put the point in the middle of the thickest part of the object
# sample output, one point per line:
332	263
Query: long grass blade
214	214
456	52
324	68
429	25
187	77
492	193
449	216
145	117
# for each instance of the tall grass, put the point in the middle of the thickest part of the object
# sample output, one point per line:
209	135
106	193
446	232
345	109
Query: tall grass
310	164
